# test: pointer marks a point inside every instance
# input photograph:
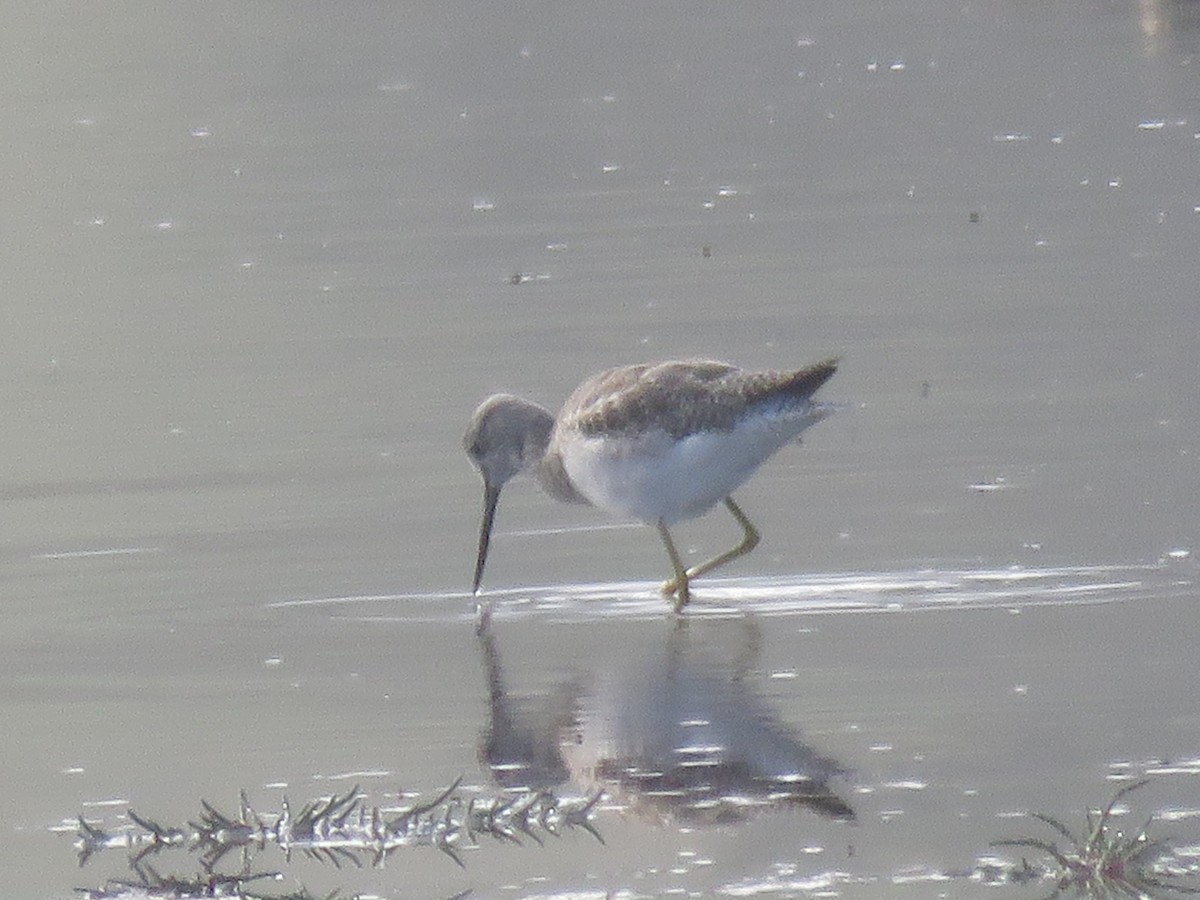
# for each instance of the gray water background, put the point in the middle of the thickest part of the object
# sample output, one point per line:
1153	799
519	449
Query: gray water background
258	266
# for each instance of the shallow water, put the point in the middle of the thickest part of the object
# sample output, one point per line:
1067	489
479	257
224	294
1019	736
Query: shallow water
263	261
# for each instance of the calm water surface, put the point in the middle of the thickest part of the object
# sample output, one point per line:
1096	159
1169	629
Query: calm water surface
262	261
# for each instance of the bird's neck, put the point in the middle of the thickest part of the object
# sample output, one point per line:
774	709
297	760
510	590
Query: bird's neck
542	456
553	477
536	429
537	453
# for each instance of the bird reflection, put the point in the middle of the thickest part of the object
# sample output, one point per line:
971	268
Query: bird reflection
521	746
676	736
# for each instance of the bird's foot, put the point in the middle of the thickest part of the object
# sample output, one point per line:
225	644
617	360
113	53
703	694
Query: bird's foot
679	590
483	615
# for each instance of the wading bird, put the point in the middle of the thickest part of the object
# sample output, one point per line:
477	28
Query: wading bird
657	443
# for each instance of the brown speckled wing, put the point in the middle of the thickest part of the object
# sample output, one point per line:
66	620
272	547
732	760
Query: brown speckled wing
682	398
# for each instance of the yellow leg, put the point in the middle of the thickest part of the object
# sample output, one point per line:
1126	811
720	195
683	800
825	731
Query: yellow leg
679	585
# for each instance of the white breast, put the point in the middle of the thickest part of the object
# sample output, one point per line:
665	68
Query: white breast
652	476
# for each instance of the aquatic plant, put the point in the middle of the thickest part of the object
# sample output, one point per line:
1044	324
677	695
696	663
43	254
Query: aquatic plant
341	829
150	885
1105	862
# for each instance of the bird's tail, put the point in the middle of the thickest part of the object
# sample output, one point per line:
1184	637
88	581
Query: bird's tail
792	390
806	382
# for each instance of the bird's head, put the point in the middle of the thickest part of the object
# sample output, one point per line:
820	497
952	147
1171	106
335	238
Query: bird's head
507	435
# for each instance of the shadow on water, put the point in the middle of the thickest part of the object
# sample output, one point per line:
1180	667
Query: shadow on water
675	736
680	738
669	737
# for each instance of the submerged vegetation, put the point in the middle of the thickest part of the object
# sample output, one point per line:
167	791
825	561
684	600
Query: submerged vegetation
342	829
1104	861
1101	861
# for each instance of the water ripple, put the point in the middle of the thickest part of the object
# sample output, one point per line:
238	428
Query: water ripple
1011	588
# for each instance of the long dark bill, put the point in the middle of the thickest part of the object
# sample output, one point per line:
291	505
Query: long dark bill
491	496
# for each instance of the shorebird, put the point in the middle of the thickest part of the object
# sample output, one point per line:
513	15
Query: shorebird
657	443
